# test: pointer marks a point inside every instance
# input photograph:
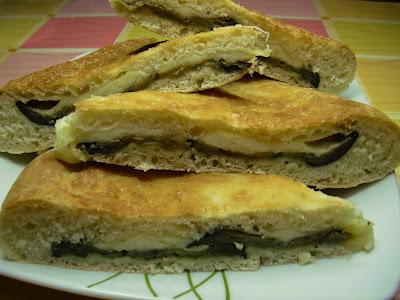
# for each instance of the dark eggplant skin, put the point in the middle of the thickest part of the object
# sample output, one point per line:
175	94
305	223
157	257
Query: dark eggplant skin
225	21
218	241
228	236
66	247
32	110
102	147
145	48
308	75
93	148
59	249
311	77
333	155
232	68
310	159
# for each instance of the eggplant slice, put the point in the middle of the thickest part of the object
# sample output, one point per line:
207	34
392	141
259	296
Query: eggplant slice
225	242
344	144
35	111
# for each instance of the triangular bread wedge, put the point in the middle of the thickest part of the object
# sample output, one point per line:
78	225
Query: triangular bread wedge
298	56
264	127
30	106
100	217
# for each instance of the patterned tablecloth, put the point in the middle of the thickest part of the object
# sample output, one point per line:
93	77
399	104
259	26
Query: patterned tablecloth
38	33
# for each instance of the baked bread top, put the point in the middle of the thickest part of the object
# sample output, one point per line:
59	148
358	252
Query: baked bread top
76	76
132	194
333	61
265	110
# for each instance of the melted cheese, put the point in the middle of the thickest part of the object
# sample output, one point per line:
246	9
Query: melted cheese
249	146
143	242
141	75
226	141
156	241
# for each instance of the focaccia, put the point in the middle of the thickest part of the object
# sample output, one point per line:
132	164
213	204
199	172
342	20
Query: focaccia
100	217
29	106
298	56
265	127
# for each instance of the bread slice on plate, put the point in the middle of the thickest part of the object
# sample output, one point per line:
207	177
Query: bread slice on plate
298	56
264	127
100	217
30	106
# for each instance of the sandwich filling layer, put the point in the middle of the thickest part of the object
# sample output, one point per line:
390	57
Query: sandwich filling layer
48	112
43	112
315	153
300	75
217	242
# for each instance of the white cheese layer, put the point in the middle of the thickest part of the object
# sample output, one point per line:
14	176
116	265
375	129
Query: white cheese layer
285	235
68	137
156	241
143	242
144	73
246	145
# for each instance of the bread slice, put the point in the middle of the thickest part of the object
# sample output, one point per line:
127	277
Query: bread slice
100	217
29	106
298	56
264	127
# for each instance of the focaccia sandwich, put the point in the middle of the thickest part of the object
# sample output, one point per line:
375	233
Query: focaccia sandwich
298	56
100	217
30	106
264	127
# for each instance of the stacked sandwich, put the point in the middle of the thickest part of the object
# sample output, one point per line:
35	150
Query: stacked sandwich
193	153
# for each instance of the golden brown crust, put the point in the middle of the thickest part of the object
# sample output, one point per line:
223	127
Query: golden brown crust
83	75
285	110
290	107
275	27
78	74
132	194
